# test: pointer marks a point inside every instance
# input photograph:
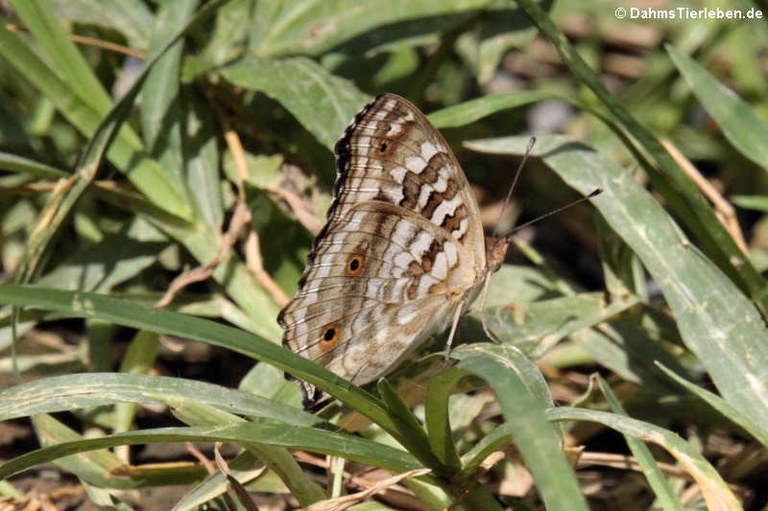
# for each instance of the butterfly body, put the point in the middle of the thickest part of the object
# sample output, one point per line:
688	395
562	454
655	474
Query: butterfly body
401	254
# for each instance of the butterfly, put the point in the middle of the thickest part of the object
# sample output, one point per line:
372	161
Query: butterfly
402	253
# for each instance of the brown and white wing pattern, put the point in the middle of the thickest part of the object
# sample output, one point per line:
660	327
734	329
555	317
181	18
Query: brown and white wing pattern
390	152
401	249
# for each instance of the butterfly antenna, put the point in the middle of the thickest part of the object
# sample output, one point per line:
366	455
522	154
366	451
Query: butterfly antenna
528	149
504	242
506	238
594	193
505	204
507	200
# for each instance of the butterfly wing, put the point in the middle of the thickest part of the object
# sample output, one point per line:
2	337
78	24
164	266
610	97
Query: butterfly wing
401	248
379	283
391	153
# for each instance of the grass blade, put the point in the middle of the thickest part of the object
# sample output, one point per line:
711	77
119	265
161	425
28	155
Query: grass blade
745	130
322	103
523	396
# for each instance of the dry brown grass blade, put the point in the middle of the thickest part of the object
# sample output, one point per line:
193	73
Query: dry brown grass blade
341	503
242	494
240	217
723	209
297	207
255	264
487	464
199	456
209	467
92	41
252	248
626	462
239	223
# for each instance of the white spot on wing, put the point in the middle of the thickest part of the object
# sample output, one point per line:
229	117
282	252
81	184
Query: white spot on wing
421	244
428	150
440	266
395	195
403	259
362	142
451	254
445	209
398	173
382	112
462	230
424	194
415	164
372	288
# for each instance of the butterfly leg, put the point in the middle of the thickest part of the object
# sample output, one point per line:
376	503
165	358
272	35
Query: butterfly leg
454	327
483	299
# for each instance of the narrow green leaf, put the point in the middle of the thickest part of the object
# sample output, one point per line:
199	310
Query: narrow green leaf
200	151
475	109
436	416
745	130
101	266
132	18
23	165
326	442
535	327
313	27
230	35
732	413
62	54
523	396
627	350
495	440
654	475
410	432
323	103
95	467
86	390
162	83
756	202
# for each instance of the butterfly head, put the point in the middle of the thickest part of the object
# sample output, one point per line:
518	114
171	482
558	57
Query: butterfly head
495	252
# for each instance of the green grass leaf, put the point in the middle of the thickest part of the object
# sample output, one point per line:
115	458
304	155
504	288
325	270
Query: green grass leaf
523	396
320	101
126	313
471	111
315	440
316	26
741	126
652	472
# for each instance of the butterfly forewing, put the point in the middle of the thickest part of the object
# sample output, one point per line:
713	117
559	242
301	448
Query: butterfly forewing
392	153
401	250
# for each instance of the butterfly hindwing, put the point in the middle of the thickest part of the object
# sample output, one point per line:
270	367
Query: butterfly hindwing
378	283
